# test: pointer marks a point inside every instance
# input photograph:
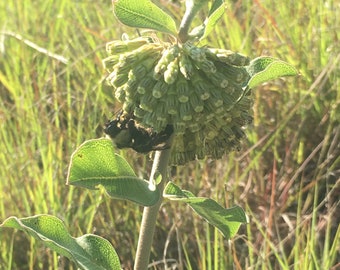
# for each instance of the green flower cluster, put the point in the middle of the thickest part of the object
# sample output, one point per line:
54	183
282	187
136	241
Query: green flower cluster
200	91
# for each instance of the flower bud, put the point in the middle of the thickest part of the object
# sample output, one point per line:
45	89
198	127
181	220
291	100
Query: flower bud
194	127
117	80
183	90
185	112
131	88
159	89
117	46
196	103
110	62
195	53
120	94
185	66
227	56
219	79
170	74
145	85
147	102
168	56
179	126
207	67
201	88
139	113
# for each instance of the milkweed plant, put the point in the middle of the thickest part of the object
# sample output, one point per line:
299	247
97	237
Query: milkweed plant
180	100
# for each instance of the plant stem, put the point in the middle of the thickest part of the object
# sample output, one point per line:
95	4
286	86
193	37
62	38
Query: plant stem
191	9
150	214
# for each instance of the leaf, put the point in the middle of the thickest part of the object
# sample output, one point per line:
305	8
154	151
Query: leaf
143	14
263	69
227	221
94	163
215	14
216	11
88	251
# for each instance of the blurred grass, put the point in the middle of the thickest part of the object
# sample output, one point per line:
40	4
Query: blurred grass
286	176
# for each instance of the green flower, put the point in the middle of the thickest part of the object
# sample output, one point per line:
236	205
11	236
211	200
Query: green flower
200	92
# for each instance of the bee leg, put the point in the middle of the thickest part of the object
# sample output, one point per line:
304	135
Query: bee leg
161	140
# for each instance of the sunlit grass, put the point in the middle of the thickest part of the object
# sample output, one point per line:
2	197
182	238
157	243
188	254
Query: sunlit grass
286	176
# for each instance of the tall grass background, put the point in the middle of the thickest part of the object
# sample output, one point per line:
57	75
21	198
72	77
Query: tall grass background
286	176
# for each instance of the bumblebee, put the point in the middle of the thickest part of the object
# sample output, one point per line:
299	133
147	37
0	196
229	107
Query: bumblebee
126	133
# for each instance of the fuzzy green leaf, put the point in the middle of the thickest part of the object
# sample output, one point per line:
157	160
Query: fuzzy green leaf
215	14
95	164
263	69
88	251
227	221
143	14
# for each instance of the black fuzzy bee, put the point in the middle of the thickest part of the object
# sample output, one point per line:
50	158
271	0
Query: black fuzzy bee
126	133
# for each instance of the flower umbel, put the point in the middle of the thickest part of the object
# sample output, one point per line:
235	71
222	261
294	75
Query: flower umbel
199	91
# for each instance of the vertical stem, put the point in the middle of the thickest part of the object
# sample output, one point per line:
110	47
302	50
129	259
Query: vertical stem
150	214
185	24
191	9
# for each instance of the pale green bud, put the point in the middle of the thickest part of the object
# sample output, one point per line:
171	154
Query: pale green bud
197	54
183	90
128	106
238	132
237	75
245	103
185	111
110	62
139	113
144	53
145	85
147	102
227	56
181	146
168	56
133	44
200	87
194	127
161	111
196	103
170	74
172	104
207	67
138	72
129	58
160	89
185	66
130	90
150	119
200	153
120	94
117	80
116	47
211	134
216	98
219	79
179	127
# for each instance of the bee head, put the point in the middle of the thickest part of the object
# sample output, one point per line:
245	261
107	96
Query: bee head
112	128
